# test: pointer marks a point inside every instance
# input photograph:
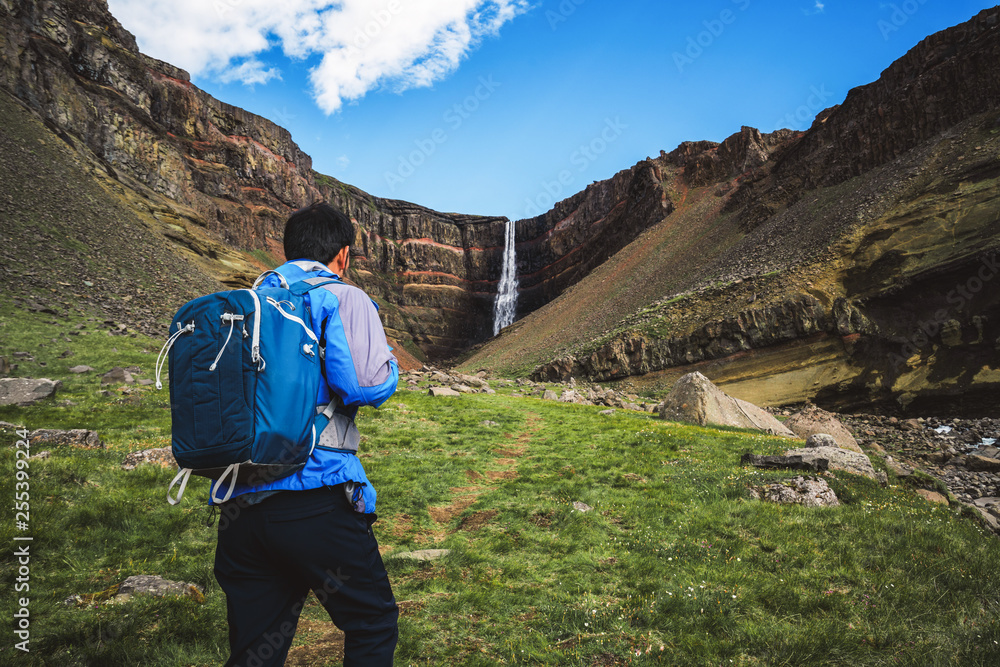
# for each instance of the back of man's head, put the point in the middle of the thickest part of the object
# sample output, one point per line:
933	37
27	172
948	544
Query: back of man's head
317	232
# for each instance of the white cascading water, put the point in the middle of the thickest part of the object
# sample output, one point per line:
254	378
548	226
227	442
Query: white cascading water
506	305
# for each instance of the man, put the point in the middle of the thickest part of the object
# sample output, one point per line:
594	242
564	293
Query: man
312	530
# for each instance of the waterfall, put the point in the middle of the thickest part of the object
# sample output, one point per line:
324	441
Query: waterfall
506	305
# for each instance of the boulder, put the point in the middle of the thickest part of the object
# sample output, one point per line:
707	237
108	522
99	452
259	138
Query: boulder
812	420
146	584
442	391
80	369
838	459
696	400
932	496
25	391
821	440
549	395
979	463
807	491
117	375
139	584
77	437
161	456
572	396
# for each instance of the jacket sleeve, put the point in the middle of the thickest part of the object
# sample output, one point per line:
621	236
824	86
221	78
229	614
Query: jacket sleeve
360	366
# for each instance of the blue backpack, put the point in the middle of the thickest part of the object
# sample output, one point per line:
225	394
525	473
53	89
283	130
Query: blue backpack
245	369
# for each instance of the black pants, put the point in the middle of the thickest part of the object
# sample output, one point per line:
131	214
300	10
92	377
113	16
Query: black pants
270	556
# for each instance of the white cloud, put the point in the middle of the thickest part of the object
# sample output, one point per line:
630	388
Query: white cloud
343	162
361	44
250	72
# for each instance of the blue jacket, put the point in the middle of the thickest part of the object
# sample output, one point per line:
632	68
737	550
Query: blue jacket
359	366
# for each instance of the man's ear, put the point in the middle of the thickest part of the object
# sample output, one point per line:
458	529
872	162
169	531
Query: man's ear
340	261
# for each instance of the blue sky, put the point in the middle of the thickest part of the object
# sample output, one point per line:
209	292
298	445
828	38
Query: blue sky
500	107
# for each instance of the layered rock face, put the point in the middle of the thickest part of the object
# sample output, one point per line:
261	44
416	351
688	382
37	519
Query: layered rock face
866	251
946	78
238	176
556	249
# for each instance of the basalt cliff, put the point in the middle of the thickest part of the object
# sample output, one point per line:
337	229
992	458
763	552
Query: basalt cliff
852	264
213	178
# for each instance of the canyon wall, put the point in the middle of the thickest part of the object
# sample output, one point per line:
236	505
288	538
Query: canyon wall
237	176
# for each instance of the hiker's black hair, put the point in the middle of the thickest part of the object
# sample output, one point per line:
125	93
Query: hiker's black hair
317	232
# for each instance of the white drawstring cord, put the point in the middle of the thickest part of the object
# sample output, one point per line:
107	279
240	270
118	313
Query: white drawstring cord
232	322
161	358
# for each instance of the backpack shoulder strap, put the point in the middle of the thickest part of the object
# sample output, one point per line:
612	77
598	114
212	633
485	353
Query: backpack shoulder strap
301	287
272	272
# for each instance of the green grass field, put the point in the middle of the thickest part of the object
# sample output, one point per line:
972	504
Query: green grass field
674	565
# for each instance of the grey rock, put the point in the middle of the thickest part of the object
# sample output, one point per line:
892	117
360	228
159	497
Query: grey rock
77	437
982	463
806	491
161	456
146	584
695	399
80	369
25	391
489	422
581	507
442	391
812	421
117	375
41	455
821	440
463	389
572	396
549	395
607	412
146	382
422	554
838	459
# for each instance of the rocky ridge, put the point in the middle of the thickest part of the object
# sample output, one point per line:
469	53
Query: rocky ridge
858	254
209	177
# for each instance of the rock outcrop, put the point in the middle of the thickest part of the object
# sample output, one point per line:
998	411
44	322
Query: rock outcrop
839	459
851	261
25	391
805	491
812	420
696	400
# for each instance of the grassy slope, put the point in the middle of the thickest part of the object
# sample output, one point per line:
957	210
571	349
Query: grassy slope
674	554
75	239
